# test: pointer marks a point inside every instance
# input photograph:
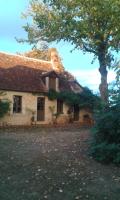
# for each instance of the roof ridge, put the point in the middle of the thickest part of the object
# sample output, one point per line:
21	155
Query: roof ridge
26	58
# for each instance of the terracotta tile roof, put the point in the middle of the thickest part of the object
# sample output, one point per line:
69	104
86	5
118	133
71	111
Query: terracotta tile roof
19	73
68	83
10	60
20	78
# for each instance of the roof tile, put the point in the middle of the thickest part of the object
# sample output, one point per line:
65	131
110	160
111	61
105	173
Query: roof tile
19	73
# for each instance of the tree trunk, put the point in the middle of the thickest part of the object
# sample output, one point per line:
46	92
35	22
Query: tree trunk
103	87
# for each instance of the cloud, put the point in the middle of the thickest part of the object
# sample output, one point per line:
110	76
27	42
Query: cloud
91	78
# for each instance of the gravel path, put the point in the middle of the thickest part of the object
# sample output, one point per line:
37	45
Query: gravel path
58	158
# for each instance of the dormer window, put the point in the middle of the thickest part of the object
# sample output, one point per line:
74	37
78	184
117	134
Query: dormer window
52	83
51	80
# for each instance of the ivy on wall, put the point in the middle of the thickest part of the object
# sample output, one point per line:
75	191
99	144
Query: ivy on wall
85	99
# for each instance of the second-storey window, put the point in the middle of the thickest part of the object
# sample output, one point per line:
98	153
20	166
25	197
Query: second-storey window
17	104
52	83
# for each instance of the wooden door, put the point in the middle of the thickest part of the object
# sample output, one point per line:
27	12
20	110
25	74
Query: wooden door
40	109
76	113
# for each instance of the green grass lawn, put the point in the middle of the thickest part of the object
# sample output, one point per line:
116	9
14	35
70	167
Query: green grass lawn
53	164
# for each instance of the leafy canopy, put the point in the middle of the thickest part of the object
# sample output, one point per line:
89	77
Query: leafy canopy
91	25
114	91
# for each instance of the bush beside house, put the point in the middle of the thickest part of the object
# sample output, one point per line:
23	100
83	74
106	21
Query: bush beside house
4	108
106	133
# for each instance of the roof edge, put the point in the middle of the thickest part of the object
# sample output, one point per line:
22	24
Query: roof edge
26	58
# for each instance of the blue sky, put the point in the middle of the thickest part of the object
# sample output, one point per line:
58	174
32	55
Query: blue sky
76	62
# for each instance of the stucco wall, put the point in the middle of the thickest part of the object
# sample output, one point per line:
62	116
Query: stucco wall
29	104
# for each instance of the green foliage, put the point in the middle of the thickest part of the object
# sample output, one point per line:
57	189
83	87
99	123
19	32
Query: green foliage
80	23
4	105
114	94
106	153
106	138
85	99
114	90
52	94
4	108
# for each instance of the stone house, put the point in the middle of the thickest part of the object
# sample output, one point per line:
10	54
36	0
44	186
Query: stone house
25	82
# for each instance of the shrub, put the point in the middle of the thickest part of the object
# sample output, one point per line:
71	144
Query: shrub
106	153
106	136
4	108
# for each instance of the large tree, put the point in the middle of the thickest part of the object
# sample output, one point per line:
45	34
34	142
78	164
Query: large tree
91	25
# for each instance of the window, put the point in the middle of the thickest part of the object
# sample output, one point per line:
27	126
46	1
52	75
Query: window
52	83
40	103
17	104
59	106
